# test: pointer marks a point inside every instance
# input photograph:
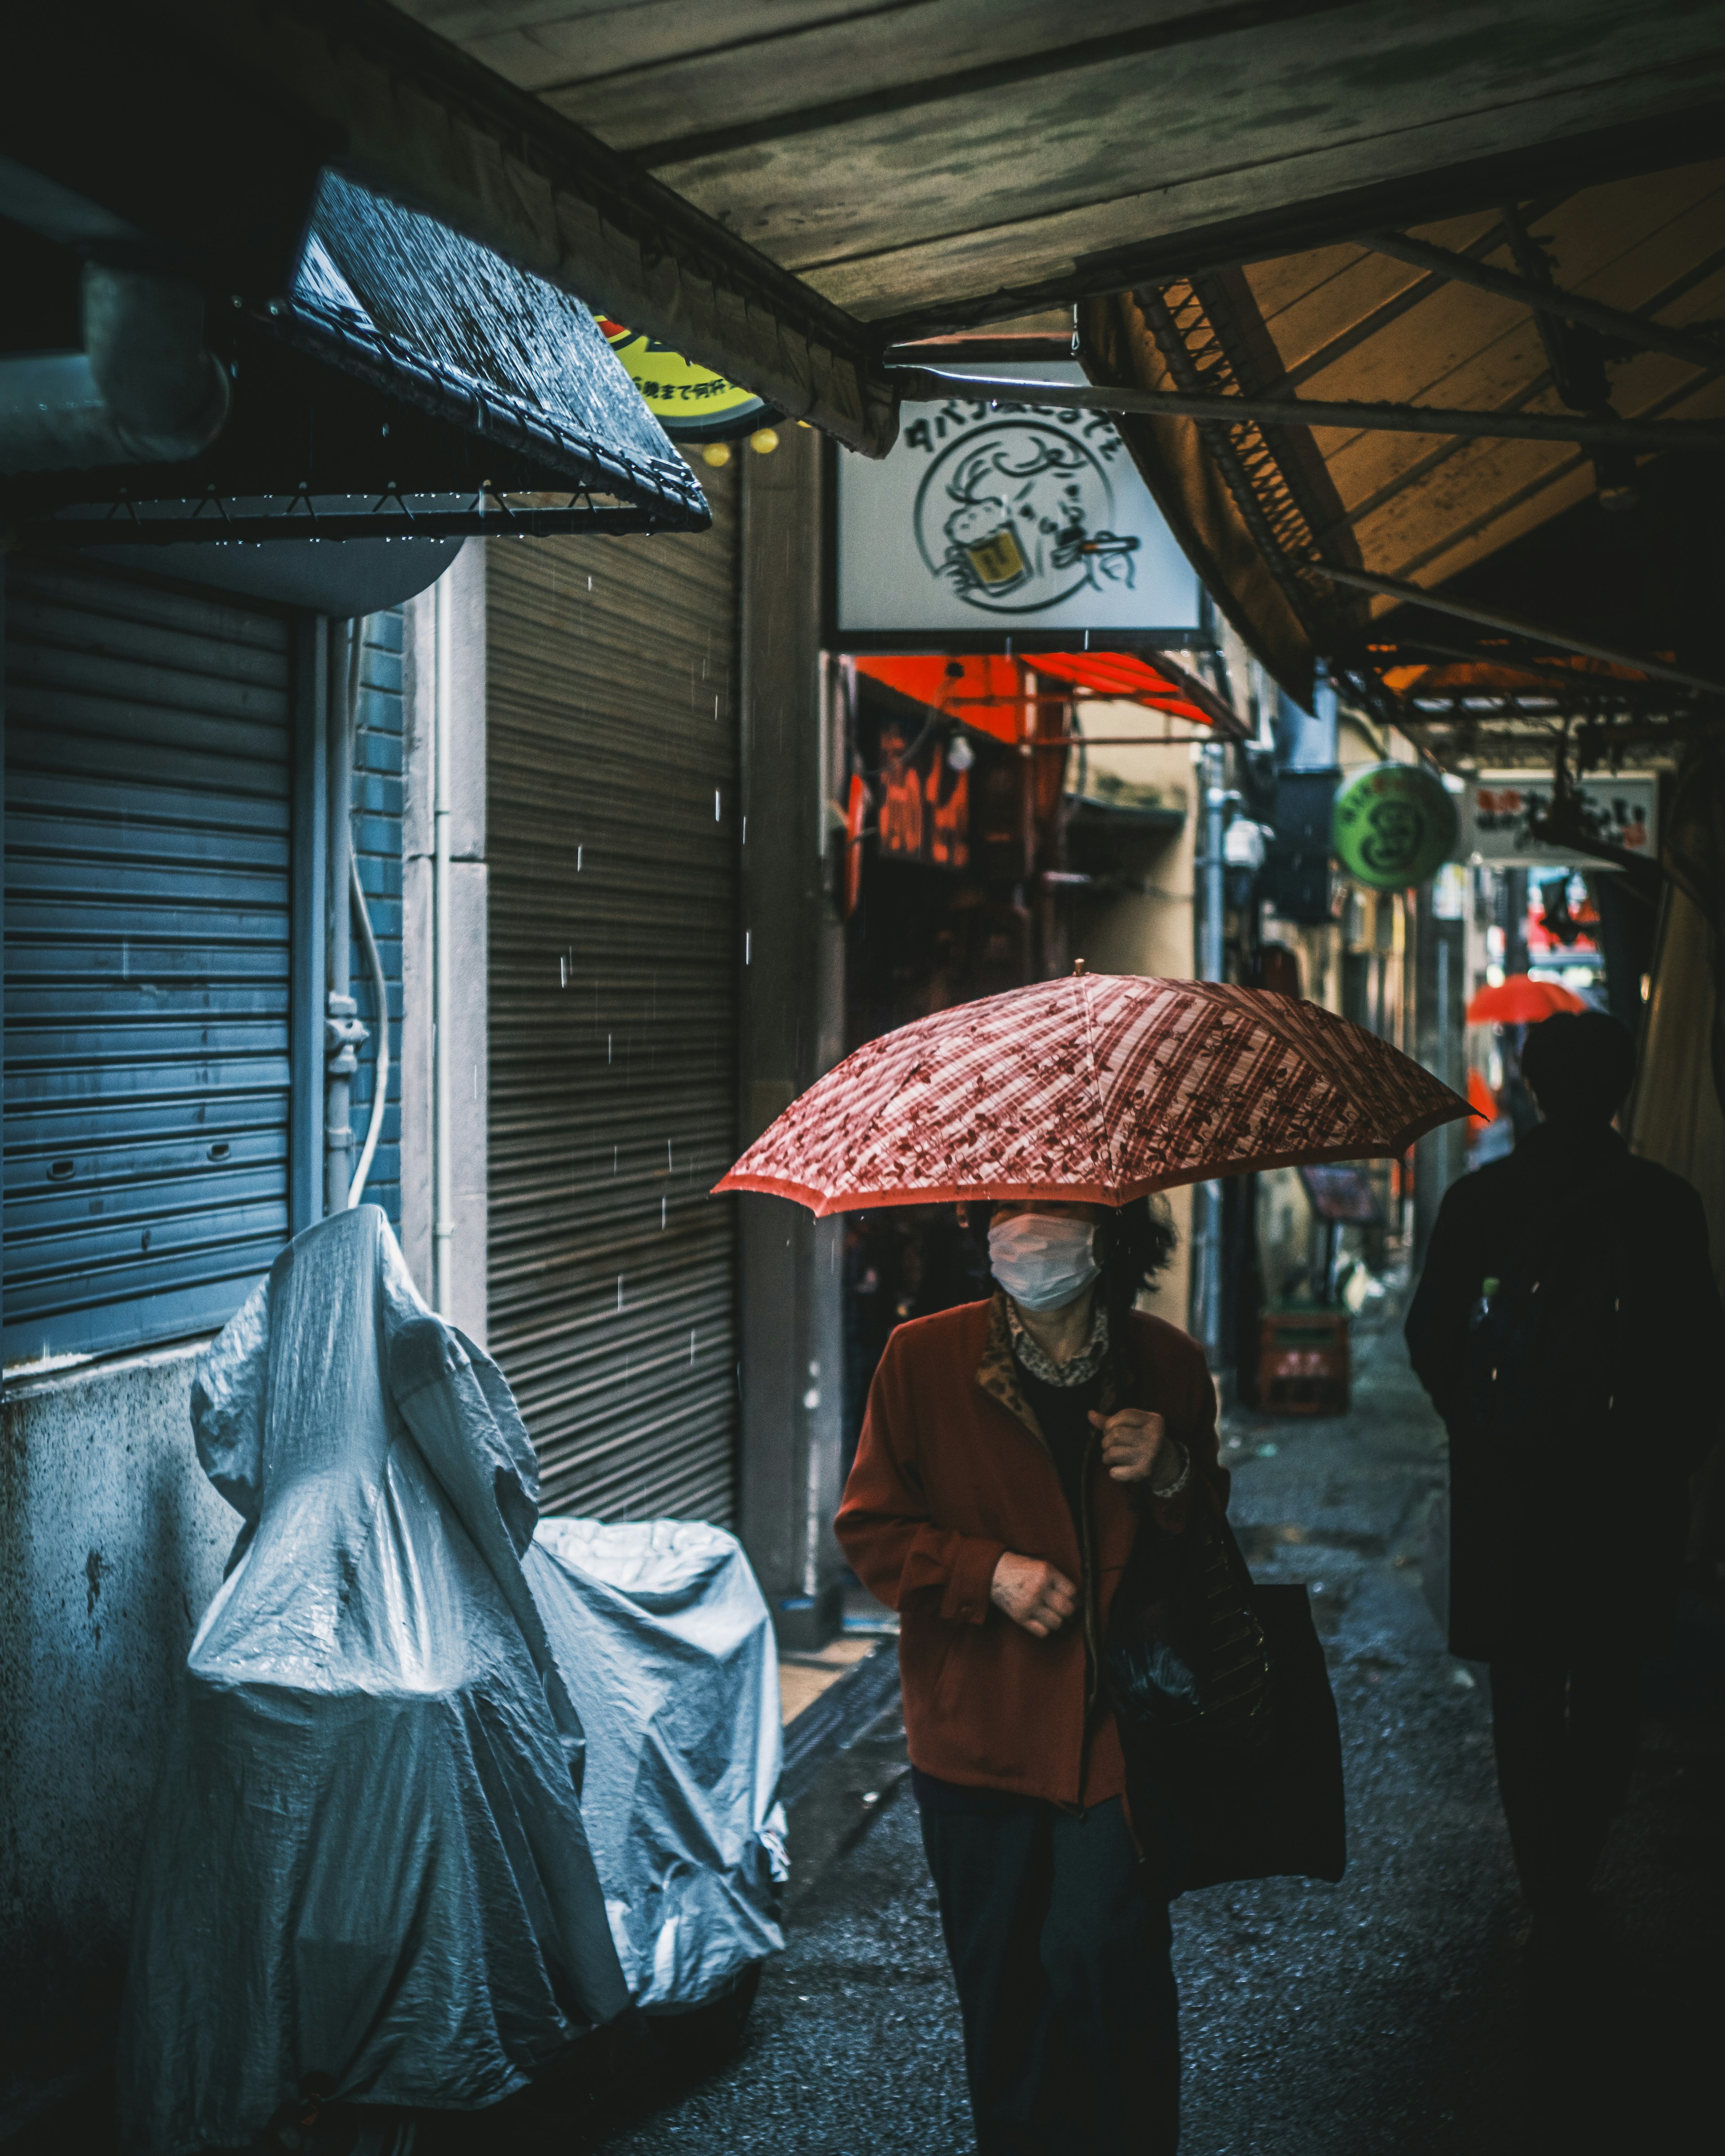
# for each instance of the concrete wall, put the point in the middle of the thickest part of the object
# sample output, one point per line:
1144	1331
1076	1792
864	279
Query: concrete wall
112	1544
790	1282
1150	930
462	589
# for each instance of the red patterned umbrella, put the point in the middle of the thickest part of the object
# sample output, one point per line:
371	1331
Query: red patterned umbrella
1521	1000
1097	1087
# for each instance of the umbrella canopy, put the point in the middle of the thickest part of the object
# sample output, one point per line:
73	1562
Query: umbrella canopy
1098	1087
1521	1000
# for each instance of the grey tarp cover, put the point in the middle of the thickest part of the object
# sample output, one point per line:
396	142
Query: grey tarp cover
366	1860
666	1644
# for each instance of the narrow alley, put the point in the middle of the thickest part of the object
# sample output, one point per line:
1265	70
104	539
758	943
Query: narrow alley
1390	2012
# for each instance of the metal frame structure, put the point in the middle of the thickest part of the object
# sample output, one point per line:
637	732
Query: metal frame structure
1598	716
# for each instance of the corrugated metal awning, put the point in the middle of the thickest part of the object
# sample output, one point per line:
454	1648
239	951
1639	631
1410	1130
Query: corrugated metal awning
410	385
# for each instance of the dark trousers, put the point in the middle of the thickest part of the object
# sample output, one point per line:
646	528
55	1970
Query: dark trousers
1565	1733
1061	1960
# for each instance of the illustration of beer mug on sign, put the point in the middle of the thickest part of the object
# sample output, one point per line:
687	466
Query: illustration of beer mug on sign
981	531
1017	520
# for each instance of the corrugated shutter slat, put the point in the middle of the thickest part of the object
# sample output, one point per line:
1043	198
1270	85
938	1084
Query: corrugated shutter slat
613	843
148	785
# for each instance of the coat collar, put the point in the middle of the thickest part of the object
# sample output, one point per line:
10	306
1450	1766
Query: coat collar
997	1371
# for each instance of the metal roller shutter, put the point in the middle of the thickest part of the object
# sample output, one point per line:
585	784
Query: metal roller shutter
147	794
612	841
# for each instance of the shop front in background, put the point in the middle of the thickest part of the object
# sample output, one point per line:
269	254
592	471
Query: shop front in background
954	847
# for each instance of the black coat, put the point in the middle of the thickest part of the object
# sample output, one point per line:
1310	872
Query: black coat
1574	1538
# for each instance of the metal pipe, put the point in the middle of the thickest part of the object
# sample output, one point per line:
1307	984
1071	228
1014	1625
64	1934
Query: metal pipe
1547	299
443	1177
343	1031
144	390
1207	1197
1489	618
374	1131
380	985
925	385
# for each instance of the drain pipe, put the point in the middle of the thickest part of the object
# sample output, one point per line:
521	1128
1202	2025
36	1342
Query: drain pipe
145	388
380	985
343	1031
1207	1197
380	989
443	1176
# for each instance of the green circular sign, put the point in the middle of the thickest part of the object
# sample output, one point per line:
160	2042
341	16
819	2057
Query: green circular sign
1394	825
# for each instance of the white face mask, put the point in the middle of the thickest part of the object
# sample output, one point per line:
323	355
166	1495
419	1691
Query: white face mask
1043	1261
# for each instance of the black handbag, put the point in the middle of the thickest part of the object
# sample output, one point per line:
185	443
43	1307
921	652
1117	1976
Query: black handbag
1226	1717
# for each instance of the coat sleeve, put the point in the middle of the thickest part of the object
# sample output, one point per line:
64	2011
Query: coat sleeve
1436	1329
1694	1325
1191	1420
884	1526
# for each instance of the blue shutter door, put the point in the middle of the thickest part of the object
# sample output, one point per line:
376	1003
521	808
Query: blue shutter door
147	788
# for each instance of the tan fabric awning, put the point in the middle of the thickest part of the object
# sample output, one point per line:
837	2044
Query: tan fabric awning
1261	505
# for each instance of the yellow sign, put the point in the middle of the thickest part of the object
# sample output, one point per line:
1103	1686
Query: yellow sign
687	400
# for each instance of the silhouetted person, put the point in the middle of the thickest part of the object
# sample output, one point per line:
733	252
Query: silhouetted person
1565	1327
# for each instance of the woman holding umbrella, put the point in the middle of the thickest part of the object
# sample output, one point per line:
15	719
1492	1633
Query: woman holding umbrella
1016	1452
1011	1449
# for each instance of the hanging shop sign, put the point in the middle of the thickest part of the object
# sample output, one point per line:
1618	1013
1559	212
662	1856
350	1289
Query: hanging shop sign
690	402
1394	825
1504	806
997	524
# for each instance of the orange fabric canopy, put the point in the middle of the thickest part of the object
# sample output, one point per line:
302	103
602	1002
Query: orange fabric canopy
993	694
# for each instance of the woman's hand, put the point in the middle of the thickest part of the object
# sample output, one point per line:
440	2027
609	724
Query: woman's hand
1132	1442
1033	1593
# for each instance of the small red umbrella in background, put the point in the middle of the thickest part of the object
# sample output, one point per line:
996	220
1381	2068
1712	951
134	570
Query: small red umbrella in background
1099	1087
1521	1000
1482	1101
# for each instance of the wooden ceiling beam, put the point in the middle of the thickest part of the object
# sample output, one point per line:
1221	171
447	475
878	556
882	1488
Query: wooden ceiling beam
929	385
1514	625
1548	298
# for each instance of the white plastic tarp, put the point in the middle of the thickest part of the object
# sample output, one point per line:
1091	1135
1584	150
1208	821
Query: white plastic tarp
366	1860
665	1642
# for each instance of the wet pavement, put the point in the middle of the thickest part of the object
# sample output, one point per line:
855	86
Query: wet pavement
1395	2011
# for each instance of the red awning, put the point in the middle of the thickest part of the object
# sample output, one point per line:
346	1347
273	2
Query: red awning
994	695
1126	677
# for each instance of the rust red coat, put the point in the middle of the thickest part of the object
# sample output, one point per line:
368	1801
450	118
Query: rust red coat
951	1470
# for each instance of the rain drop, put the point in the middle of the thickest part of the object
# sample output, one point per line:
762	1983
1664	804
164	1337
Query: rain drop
715	805
663	1223
746	939
608	1048
562	973
577	861
620	1291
